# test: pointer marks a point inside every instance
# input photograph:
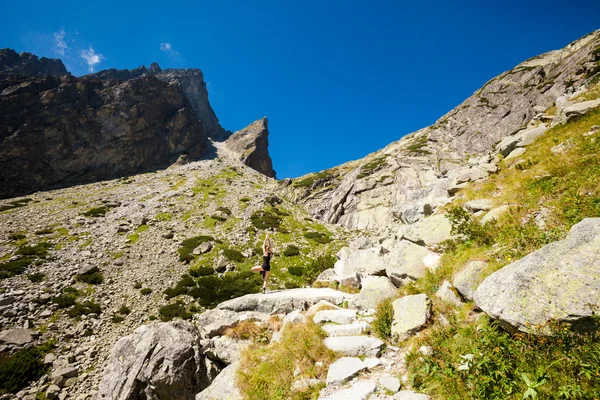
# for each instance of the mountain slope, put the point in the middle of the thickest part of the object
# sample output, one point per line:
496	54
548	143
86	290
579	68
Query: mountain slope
379	191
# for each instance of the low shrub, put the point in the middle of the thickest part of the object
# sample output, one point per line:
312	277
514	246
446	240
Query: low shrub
15	204
291	251
96	212
22	367
17	236
296	270
188	245
146	291
233	255
384	316
39	250
124	310
182	287
463	224
64	300
225	210
197	272
45	231
245	199
16	267
36	277
310	180
244	330
173	310
85	308
117	319
213	290
95	278
218	218
265	220
320	264
317	237
291	285
138	285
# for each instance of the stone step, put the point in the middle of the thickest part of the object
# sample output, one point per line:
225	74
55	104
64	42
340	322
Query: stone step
337	316
355	329
355	345
361	390
344	369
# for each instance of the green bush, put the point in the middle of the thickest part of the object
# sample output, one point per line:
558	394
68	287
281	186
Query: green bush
15	204
182	287
245	199
17	236
372	166
201	271
146	291
124	310
382	326
188	245
291	285
85	308
482	361
96	212
64	300
24	366
16	267
45	231
265	220
213	290
71	290
116	318
317	237
36	278
40	250
233	255
218	218
296	270
309	181
95	278
472	230
138	285
173	310
225	210
315	267
291	251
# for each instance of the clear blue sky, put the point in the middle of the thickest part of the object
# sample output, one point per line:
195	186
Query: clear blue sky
337	79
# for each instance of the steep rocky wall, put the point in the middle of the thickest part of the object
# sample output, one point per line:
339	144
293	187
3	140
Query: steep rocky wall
422	170
251	145
29	64
57	132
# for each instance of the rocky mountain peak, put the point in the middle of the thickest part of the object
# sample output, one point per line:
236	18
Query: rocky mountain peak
155	68
29	64
251	146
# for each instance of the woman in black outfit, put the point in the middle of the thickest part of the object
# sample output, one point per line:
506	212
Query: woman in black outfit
265	268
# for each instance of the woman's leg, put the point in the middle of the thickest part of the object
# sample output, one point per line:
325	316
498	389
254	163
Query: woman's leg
266	278
257	268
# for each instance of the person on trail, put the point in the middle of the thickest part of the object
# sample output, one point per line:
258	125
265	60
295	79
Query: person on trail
265	268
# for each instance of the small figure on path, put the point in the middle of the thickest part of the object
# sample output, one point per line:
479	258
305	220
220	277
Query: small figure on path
265	268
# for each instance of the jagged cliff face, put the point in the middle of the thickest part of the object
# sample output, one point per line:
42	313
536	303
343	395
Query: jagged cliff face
28	64
250	146
57	130
412	177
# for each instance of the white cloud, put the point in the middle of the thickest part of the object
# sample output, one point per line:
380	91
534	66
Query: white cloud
167	48
91	57
59	41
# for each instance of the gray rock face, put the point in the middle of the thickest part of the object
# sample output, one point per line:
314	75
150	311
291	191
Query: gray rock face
29	64
344	369
223	387
139	124
337	316
467	280
429	232
410	172
407	262
225	349
16	336
390	383
363	262
160	361
446	293
285	301
411	313
354	346
579	109
374	290
560	281
251	144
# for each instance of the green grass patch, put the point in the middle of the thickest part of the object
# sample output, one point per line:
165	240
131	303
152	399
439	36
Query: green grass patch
310	180
265	220
117	319
318	237
188	245
124	310
163	216
17	236
64	300
225	210
199	271
36	277
22	367
172	311
45	231
372	166
15	204
384	316
233	255
418	145
291	251
146	291
97	212
95	278
85	308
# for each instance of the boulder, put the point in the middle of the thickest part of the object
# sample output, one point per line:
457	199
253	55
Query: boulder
65	372
374	290
326	277
17	336
407	262
530	135
516	153
304	384
431	231
410	395
447	294
284	302
467	280
159	361
346	329
251	146
88	269
223	387
479	205
355	346
321	306
579	109
225	349
411	313
360	390
560	282
360	262
344	369
495	213
214	322
341	316
390	383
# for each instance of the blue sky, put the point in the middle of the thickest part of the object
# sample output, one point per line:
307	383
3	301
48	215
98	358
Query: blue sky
337	79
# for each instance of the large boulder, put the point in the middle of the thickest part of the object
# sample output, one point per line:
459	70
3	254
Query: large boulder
223	387
160	361
579	109
252	146
560	282
225	349
284	302
374	290
431	231
407	262
344	369
355	346
467	280
18	336
411	313
363	262
214	322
